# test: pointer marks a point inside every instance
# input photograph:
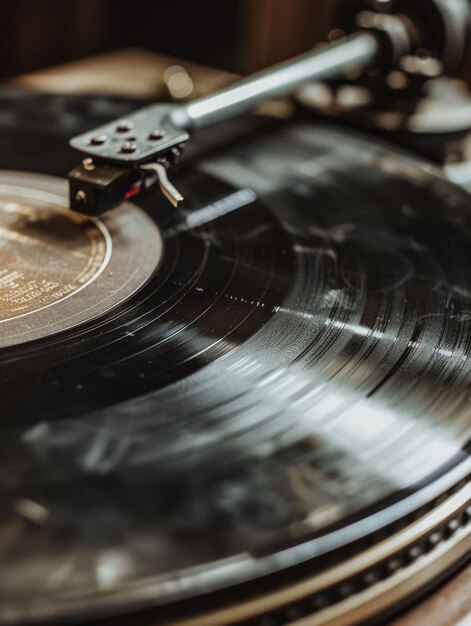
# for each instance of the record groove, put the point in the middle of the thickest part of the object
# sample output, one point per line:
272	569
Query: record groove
292	380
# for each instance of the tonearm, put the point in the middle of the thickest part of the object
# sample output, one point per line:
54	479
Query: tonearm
124	157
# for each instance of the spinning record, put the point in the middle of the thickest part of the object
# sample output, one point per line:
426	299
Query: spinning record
277	381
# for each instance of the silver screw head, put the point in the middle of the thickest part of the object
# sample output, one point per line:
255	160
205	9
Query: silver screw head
129	147
123	126
156	134
88	164
98	140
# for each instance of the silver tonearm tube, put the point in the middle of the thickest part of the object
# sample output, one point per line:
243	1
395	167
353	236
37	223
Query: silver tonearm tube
358	51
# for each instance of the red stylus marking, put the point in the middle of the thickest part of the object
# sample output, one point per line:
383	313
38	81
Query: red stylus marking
135	189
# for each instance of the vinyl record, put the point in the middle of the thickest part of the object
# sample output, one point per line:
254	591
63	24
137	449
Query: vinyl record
279	379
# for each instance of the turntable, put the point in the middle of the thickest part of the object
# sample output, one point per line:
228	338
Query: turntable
251	404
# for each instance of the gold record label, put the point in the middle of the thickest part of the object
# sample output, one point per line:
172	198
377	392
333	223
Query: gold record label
45	256
59	269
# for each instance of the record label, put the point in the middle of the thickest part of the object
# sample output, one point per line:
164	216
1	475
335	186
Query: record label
49	256
46	255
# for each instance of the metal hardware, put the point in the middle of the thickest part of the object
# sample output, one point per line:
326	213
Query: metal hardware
170	192
391	36
99	140
128	148
124	126
161	131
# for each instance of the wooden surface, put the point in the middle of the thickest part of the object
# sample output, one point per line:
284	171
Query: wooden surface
130	72
273	30
140	73
38	33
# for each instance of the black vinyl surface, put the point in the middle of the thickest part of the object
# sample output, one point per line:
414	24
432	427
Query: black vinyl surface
299	359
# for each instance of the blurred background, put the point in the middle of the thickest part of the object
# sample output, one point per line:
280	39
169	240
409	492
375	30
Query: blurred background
235	35
180	49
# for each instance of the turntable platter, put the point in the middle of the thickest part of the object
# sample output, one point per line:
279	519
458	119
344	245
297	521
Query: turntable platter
288	389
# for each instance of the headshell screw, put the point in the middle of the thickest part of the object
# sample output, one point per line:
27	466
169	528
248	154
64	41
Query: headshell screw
88	164
98	140
124	126
129	147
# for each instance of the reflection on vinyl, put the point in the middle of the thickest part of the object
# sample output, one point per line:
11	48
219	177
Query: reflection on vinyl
293	359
